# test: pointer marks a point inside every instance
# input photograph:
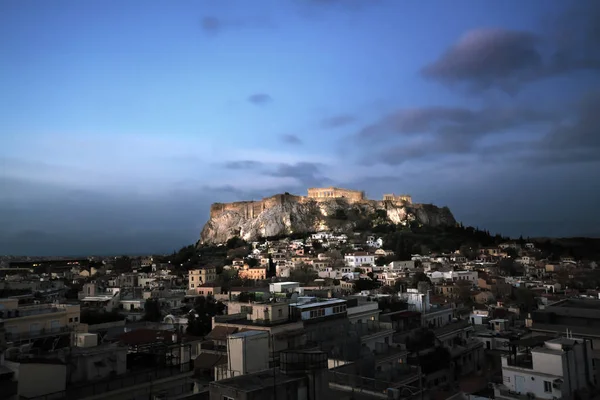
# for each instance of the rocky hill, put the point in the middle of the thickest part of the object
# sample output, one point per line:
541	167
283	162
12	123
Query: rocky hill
286	214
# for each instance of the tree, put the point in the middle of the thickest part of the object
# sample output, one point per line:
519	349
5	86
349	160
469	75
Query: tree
272	269
336	259
235	242
200	317
252	262
525	298
512	252
303	274
365	284
419	277
152	311
245	297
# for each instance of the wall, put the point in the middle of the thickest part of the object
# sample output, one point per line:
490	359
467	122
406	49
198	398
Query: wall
251	209
48	378
248	353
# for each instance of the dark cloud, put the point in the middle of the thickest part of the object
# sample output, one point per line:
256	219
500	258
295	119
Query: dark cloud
307	173
416	133
291	139
243	164
338	121
505	59
489	57
260	99
211	25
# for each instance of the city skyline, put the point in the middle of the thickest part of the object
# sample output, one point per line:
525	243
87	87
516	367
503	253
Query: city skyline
122	123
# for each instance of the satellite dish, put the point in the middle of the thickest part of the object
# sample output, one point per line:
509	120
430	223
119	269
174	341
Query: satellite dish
294	297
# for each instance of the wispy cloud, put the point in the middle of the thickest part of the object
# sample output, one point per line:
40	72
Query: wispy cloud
260	99
291	139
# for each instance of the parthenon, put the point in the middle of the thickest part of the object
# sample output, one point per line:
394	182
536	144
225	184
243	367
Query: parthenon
333	192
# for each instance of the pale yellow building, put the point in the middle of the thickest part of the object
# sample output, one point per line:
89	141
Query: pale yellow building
198	277
39	320
256	273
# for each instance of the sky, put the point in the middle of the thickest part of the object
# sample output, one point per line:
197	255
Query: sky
121	122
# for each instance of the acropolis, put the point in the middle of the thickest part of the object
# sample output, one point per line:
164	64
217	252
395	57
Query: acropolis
251	209
353	195
333	192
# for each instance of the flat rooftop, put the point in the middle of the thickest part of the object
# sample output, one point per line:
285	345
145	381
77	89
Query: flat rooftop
257	381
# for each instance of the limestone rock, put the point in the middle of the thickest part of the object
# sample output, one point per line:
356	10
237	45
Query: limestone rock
285	214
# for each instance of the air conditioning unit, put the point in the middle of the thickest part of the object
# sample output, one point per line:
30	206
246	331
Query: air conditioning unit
393	394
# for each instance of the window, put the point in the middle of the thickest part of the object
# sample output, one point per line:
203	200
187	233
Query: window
70	319
547	386
227	398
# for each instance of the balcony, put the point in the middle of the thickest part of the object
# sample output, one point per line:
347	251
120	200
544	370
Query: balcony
212	347
502	391
42	333
27	311
520	361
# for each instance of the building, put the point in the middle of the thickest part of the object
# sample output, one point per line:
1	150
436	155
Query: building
553	369
333	192
253	273
358	259
25	323
198	277
301	375
581	317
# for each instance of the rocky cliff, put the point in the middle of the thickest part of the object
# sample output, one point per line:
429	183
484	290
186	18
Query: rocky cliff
286	214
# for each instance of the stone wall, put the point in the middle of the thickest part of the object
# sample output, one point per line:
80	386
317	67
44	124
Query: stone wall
333	192
251	209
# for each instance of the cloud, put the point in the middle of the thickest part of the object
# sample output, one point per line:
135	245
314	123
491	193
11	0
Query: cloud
484	58
338	121
260	99
291	139
211	25
306	173
419	132
506	59
243	164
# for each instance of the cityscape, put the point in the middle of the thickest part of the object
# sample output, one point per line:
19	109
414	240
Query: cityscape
299	199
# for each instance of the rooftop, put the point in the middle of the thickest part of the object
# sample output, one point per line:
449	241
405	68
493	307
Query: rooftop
258	381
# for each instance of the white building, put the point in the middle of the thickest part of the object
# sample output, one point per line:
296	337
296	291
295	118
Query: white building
358	259
554	370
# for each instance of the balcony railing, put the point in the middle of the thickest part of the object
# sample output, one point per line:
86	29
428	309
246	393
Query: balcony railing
15	337
40	309
521	361
212	346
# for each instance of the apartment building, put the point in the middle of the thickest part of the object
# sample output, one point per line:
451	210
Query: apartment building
552	369
197	277
23	323
580	317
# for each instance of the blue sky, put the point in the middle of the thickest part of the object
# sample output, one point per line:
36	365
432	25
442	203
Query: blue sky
120	122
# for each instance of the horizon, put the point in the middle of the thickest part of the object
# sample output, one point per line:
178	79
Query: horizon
123	122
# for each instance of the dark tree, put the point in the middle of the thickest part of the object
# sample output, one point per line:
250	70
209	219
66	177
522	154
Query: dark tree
152	311
272	270
252	262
